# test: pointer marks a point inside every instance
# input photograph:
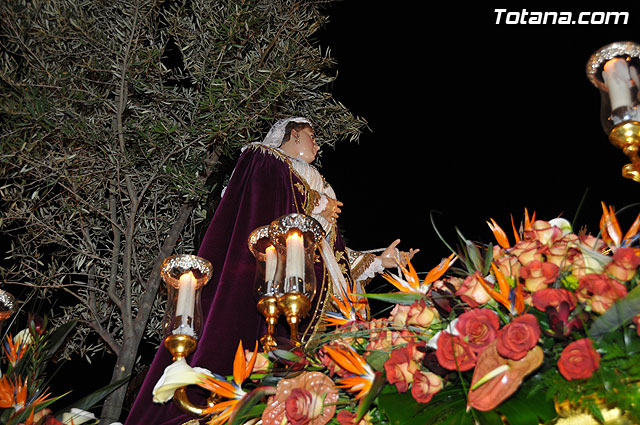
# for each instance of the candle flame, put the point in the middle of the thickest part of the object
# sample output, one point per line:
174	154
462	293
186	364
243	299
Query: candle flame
187	278
294	235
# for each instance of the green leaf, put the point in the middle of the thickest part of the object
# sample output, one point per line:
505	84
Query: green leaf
247	403
404	298
58	336
365	402
621	312
95	397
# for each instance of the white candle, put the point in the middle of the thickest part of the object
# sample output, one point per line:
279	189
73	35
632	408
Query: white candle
295	256
271	261
186	296
616	77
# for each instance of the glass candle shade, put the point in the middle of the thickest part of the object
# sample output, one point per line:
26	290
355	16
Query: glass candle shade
184	275
614	70
7	305
267	259
295	237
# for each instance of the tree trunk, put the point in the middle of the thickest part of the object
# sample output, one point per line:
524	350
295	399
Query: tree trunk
127	356
124	366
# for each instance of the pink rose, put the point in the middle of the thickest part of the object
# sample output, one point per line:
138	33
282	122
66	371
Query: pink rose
624	263
518	337
472	292
425	385
537	274
600	291
454	353
579	360
478	327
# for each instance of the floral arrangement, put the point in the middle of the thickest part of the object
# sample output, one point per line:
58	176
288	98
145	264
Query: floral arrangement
539	330
24	393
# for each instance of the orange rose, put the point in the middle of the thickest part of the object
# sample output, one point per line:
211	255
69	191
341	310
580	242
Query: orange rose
478	327
538	274
399	314
579	360
600	291
527	251
624	264
425	385
454	353
420	314
544	232
401	365
518	337
553	297
472	292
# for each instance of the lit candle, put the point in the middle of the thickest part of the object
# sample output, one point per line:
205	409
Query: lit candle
295	256
186	296
616	77
271	262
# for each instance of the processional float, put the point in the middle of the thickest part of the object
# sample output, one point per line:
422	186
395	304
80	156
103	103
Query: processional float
285	283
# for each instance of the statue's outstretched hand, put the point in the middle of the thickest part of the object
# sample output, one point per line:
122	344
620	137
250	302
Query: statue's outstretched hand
389	256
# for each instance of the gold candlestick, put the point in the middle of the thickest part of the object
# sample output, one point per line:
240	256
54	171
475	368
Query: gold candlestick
295	306
268	307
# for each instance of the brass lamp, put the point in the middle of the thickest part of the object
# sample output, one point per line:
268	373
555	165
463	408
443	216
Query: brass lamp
184	275
613	69
295	237
266	285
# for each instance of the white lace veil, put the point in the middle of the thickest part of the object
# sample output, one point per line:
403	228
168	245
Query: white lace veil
276	134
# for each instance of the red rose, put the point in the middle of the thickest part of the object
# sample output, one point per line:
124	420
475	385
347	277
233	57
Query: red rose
624	263
454	353
400	367
345	417
518	337
478	327
579	360
552	297
600	291
425	385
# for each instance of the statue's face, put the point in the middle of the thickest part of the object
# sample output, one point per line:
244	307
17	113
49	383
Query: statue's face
305	144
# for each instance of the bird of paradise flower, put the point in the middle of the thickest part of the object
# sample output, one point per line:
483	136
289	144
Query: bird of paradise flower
238	400
362	377
411	281
351	308
610	228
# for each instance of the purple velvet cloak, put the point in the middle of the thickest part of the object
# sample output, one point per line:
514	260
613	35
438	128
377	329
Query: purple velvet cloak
263	187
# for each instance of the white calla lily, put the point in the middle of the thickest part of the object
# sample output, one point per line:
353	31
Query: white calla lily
23	338
177	374
562	224
77	417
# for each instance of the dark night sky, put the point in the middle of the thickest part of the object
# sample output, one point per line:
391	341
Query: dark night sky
469	118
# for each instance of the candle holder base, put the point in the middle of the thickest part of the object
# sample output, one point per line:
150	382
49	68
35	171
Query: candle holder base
180	345
294	306
181	400
626	136
268	307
